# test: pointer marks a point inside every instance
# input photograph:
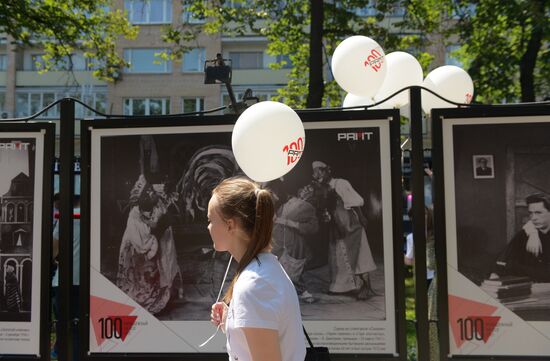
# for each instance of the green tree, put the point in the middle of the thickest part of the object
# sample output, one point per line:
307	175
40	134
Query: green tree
61	27
505	44
304	31
506	47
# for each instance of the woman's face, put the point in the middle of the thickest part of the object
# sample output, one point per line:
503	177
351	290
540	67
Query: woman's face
217	226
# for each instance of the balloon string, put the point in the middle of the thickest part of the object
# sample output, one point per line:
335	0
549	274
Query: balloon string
211	337
224	277
217	300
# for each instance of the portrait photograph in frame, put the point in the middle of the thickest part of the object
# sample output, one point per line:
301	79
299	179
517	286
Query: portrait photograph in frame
181	165
497	292
483	166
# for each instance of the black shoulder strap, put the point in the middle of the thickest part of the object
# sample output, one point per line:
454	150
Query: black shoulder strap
307	336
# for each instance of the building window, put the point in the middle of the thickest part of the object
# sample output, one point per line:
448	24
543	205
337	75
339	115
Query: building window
146	106
73	62
146	61
77	62
97	101
3	62
247	60
37	62
464	11
149	11
190	105
2	100
237	4
366	11
193	60
450	56
286	59
398	11
28	103
188	18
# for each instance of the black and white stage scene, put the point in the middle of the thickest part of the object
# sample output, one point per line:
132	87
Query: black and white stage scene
328	234
16	228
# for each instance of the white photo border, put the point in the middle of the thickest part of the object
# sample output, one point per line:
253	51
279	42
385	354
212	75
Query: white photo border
200	330
456	283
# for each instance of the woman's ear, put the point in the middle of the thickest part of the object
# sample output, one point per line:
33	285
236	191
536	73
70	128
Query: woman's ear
231	224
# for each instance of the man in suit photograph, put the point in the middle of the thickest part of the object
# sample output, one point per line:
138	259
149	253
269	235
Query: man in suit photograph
528	253
483	169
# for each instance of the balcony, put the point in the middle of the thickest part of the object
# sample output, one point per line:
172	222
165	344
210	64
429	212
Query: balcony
55	78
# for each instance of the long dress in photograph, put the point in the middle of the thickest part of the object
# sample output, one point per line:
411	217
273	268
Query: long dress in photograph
349	252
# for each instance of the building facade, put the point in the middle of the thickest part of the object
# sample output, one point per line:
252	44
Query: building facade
148	87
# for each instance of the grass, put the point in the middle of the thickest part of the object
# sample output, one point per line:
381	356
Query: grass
410	314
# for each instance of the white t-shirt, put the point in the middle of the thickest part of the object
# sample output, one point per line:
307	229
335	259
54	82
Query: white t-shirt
409	253
264	297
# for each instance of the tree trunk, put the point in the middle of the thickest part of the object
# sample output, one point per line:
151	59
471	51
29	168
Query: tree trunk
316	84
529	58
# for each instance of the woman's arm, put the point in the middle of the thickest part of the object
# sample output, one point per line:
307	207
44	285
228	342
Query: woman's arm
263	344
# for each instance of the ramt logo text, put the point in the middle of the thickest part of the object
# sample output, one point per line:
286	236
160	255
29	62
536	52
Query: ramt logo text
356	136
14	146
374	60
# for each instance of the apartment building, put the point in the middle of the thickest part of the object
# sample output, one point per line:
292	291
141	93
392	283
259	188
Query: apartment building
147	87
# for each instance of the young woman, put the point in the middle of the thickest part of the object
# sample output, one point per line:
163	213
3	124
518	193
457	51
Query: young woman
260	313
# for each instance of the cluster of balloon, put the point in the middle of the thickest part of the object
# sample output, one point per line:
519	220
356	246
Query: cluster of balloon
268	140
370	76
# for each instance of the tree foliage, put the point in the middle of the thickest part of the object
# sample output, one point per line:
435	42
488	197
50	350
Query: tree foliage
504	45
286	24
62	27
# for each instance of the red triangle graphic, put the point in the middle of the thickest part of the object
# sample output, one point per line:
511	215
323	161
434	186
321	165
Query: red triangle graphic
103	313
126	323
461	309
489	323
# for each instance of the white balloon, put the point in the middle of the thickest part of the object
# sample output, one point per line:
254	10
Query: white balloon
403	71
359	65
352	100
268	140
449	81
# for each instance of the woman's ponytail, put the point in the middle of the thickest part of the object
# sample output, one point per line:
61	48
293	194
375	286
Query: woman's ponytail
242	199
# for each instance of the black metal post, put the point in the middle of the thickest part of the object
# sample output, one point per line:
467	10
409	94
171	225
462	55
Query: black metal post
419	225
231	95
66	191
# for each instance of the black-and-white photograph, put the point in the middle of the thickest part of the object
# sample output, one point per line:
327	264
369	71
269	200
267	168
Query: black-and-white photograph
17	157
328	233
483	166
503	227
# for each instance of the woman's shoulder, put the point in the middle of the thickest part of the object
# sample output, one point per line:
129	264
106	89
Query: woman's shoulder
263	271
253	286
261	266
